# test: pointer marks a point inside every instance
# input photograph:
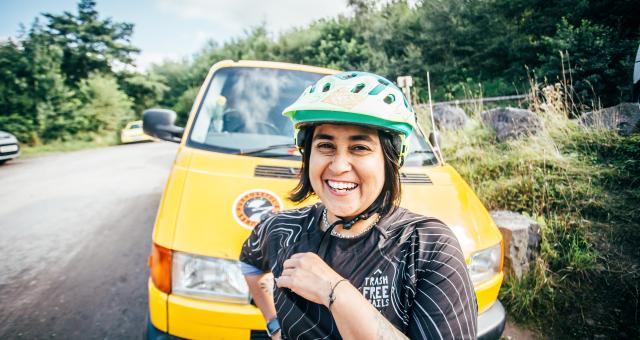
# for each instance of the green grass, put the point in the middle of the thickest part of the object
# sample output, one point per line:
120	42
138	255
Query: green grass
583	186
79	143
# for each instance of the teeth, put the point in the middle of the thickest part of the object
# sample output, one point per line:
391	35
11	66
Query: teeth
341	185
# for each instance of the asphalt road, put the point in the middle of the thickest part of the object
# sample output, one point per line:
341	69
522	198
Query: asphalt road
75	233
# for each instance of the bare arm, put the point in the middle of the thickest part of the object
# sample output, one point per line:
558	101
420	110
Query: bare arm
261	288
352	311
310	277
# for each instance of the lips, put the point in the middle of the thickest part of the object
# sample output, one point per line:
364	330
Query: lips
340	186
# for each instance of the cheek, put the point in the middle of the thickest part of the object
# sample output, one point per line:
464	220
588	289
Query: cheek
373	171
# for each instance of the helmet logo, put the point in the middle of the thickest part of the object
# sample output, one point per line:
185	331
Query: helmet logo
344	98
251	206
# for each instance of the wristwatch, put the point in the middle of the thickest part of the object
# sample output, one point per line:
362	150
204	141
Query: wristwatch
273	326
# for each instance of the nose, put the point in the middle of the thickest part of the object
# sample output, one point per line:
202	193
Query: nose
341	163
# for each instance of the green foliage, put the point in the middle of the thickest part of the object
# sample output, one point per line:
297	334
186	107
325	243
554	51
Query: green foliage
89	44
183	105
107	108
146	89
48	92
20	126
582	183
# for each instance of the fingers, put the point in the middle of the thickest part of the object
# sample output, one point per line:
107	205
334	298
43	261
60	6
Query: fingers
301	260
288	272
291	263
285	282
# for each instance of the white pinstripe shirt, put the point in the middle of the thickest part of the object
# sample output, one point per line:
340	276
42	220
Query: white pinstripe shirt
409	267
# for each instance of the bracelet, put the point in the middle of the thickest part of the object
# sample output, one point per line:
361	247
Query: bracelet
332	298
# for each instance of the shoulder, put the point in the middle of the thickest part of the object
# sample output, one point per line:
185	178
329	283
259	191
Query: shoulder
427	235
403	221
292	218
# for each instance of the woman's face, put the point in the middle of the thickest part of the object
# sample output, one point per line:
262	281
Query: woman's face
346	168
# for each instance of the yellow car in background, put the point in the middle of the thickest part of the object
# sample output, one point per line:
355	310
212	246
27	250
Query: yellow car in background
132	133
236	162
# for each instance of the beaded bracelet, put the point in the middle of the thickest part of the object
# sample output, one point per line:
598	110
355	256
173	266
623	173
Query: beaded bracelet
332	298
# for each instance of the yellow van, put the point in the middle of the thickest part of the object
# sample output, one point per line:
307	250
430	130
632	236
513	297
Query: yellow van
236	162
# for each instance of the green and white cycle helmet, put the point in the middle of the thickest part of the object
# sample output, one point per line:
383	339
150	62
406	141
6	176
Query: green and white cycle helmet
354	98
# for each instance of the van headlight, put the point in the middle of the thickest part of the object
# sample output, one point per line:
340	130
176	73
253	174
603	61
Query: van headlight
209	278
485	264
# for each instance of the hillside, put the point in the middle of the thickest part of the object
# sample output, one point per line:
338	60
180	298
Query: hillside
583	186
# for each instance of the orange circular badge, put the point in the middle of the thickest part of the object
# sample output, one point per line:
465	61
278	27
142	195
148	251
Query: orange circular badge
251	206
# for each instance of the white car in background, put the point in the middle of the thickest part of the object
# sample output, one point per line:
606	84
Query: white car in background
9	147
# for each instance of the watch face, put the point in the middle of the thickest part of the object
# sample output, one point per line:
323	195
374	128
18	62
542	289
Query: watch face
273	326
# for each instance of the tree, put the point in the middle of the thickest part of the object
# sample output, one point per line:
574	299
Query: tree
107	108
146	90
89	44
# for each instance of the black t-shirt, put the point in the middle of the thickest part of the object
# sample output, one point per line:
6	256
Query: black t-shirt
410	267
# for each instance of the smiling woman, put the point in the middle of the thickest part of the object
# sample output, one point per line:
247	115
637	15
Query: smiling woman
357	258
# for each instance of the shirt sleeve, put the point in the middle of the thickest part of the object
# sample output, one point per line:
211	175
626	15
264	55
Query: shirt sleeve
444	305
255	249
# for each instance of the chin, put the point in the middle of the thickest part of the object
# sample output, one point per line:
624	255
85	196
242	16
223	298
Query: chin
340	210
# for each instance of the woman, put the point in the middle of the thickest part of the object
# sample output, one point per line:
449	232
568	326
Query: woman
356	265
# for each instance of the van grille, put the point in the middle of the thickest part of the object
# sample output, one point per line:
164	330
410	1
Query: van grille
286	172
276	171
414	178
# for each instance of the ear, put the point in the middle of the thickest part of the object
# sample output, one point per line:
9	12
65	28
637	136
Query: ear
301	137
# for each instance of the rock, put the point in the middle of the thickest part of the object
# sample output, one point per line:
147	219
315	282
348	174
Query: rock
624	118
449	117
521	237
510	123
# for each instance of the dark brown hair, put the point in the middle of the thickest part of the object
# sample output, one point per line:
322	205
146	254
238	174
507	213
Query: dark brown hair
388	198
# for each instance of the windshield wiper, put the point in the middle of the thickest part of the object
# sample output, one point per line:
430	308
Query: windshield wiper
266	148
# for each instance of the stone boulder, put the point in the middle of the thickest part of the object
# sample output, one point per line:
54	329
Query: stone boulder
624	118
449	117
521	237
511	123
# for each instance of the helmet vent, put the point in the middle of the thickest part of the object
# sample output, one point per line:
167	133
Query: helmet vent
389	99
351	75
326	87
312	89
383	82
377	89
358	88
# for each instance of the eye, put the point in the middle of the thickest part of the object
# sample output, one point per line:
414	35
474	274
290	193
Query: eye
325	146
360	147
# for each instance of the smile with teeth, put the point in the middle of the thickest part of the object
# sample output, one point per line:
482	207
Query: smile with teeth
341	186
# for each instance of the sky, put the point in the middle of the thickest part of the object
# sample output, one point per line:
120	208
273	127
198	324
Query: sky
176	29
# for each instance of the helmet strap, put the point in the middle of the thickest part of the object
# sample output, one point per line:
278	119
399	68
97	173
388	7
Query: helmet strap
347	224
325	240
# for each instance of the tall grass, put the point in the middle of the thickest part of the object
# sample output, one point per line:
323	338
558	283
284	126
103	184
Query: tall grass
583	186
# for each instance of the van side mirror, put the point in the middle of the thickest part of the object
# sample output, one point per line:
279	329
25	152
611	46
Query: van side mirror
160	123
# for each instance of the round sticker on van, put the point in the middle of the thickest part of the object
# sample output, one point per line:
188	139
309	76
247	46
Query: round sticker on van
252	205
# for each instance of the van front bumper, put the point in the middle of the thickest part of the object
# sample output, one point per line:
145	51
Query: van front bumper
193	319
152	333
491	322
490	326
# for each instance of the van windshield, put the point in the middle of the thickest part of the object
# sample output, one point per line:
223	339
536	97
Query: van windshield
241	113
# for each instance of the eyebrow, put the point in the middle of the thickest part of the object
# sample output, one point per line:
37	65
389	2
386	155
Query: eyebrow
366	138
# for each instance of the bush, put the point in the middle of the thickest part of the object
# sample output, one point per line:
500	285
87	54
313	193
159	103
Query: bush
582	183
107	108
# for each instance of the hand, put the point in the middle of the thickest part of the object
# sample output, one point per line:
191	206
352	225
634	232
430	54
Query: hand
307	275
276	336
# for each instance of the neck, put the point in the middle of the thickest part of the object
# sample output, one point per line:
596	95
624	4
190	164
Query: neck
357	228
